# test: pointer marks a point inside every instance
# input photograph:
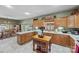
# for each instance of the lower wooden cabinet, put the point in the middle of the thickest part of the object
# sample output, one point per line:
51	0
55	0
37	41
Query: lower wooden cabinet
63	40
72	42
55	39
23	38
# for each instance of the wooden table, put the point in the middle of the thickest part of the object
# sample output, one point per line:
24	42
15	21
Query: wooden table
42	44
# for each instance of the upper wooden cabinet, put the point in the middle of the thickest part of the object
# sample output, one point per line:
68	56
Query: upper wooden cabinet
67	22
77	21
38	23
61	22
71	21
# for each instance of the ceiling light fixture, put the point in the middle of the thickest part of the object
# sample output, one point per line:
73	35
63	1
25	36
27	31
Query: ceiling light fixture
8	6
27	13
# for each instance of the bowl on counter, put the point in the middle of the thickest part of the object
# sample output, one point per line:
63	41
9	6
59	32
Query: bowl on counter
65	31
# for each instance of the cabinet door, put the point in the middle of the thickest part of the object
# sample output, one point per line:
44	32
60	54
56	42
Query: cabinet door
22	39
65	40
56	39
38	23
29	36
71	21
77	21
61	22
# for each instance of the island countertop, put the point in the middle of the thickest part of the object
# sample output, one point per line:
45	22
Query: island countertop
24	32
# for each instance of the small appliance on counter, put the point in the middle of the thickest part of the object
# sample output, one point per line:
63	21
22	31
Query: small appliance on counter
74	31
65	30
42	29
39	31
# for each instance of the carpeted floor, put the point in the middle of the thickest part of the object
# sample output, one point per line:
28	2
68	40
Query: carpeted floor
10	45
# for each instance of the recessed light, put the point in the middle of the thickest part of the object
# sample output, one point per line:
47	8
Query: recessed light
8	6
27	13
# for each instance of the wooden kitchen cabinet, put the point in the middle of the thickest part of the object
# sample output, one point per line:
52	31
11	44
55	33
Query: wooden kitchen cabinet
71	21
62	40
67	22
23	38
38	23
56	39
59	39
77	21
72	42
65	41
61	22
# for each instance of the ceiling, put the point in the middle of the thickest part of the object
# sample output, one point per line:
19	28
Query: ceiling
18	11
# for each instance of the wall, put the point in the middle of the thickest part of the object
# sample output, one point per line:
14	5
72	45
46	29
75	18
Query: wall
61	14
8	23
26	24
58	14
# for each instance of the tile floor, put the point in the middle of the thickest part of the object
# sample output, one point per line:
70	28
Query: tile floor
10	45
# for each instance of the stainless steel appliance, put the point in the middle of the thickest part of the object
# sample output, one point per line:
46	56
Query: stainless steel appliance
74	31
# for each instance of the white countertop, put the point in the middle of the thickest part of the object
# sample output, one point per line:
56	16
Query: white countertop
24	32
